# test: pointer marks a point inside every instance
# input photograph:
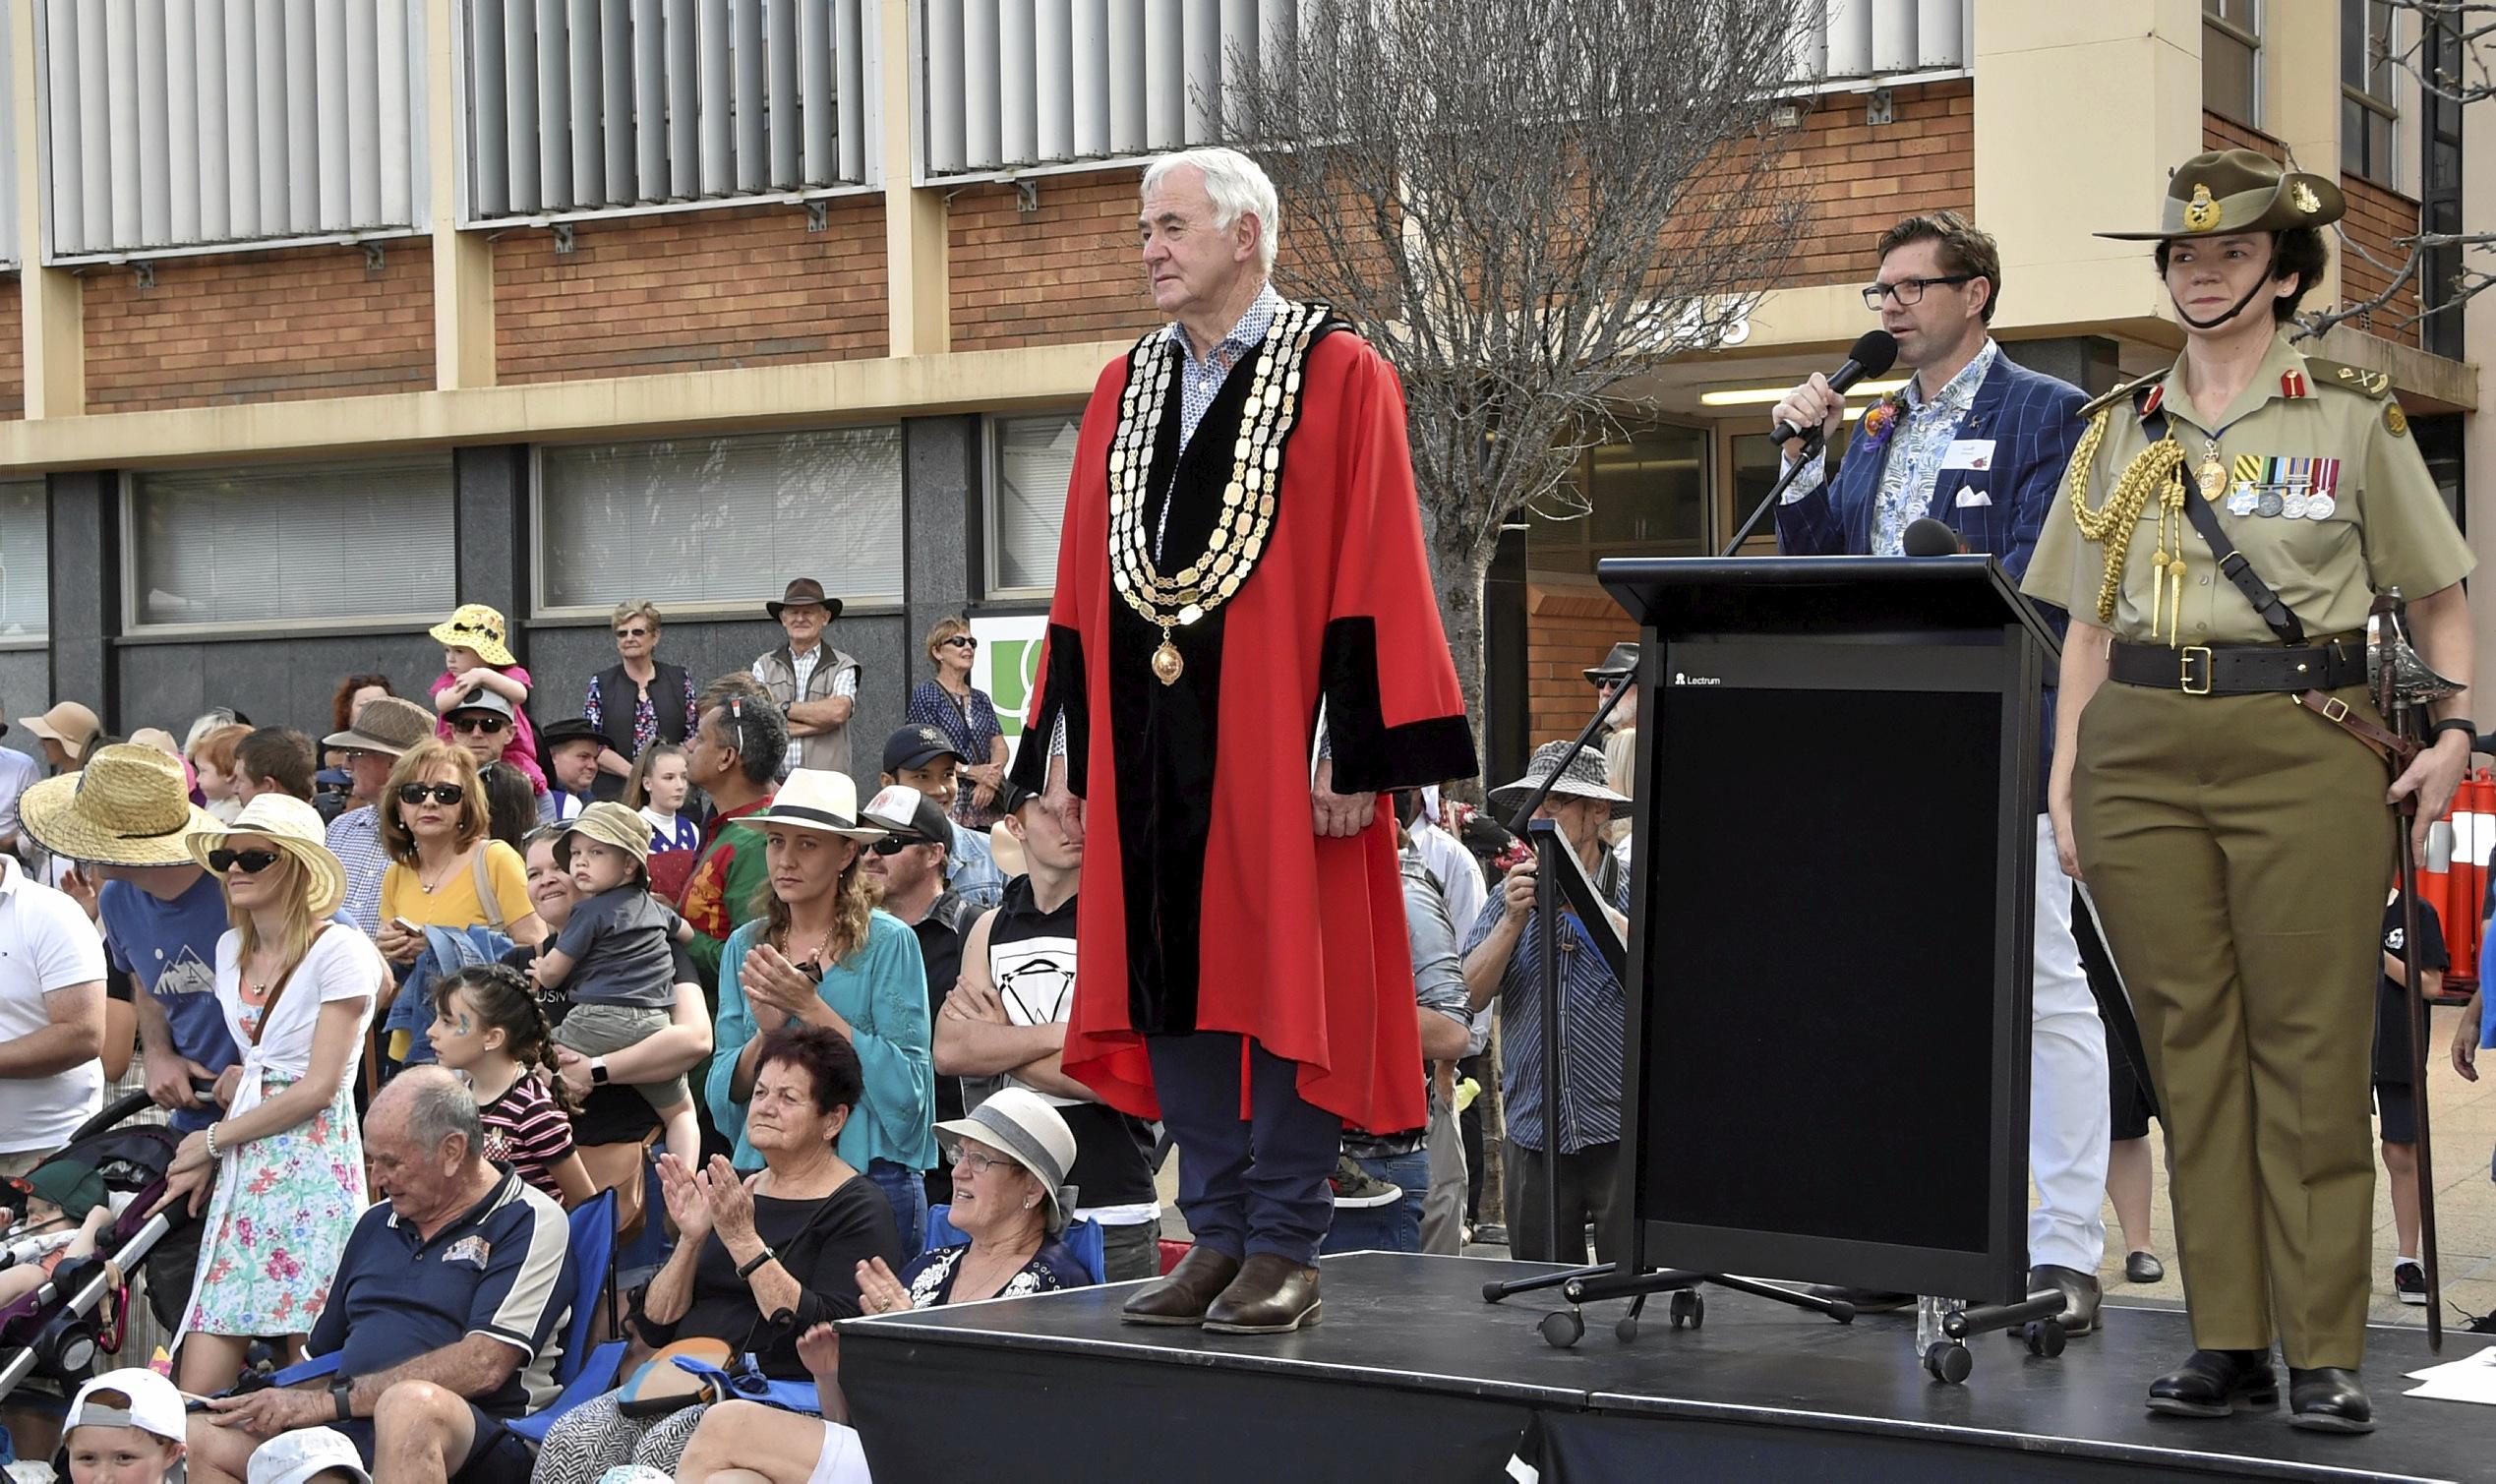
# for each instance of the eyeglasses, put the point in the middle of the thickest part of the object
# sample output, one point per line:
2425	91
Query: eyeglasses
636	632
1909	292
439	793
485	725
959	1155
252	863
893	846
962	641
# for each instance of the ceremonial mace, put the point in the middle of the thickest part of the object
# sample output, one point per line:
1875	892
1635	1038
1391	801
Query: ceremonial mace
2403	684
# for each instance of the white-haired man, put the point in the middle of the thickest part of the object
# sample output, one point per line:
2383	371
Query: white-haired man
1237	952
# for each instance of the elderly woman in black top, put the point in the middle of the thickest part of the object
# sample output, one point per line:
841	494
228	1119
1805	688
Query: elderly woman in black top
759	1259
638	700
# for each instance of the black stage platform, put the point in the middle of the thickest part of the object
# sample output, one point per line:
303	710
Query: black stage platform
1413	1377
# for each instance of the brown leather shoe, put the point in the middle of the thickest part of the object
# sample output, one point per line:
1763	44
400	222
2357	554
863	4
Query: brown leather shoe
1182	1296
1272	1295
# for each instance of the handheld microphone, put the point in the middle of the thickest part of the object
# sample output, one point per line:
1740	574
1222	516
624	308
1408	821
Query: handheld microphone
1874	353
1927	537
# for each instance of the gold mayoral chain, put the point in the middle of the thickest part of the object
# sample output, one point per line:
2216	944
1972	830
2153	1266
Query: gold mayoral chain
1214	575
2157	469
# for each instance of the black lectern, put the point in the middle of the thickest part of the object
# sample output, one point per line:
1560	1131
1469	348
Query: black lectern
1838	779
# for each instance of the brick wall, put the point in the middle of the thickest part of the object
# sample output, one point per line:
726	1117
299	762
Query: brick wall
12	351
1065	273
2219	132
690	291
1861	177
2378	217
259	326
1567	629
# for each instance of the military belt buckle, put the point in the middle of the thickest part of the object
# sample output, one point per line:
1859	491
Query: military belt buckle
2184	670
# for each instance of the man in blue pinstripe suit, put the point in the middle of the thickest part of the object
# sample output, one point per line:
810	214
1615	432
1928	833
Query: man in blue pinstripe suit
1979	442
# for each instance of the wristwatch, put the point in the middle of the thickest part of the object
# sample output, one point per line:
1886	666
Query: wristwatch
598	1071
748	1269
338	1390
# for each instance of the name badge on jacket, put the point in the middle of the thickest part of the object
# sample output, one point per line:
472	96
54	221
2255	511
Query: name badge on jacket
1969	454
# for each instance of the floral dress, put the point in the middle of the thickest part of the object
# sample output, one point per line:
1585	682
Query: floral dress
968	723
285	1204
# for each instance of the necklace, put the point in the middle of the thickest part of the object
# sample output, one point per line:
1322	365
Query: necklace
1246	517
435	884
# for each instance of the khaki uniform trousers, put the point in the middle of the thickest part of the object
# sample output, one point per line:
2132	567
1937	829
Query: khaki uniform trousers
2238	850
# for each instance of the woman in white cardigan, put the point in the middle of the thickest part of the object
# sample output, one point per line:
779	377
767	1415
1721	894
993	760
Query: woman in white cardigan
287	1160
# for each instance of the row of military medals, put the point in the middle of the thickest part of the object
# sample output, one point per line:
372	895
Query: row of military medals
2252	492
1239	535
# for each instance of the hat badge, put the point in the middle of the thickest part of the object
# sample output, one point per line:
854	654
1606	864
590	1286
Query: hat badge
2201	213
2301	196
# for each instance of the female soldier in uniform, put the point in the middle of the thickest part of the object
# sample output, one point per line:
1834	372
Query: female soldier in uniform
2237	840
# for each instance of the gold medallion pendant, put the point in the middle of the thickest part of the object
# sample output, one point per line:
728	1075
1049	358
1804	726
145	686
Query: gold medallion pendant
2211	475
1167	667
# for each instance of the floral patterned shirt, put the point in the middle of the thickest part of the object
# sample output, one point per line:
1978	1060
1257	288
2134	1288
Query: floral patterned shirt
1917	441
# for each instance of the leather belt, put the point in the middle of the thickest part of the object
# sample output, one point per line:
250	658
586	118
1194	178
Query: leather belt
2240	669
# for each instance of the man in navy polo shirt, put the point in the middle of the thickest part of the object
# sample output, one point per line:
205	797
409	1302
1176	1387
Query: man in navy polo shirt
440	1315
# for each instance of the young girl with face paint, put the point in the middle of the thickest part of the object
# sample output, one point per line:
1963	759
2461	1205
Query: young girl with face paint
489	1027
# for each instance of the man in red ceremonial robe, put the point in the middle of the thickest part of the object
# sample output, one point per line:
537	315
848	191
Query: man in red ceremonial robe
1243	619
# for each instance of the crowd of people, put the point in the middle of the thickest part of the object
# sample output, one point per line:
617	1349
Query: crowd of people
450	970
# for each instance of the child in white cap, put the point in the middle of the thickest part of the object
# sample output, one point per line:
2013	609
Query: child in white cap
125	1427
308	1455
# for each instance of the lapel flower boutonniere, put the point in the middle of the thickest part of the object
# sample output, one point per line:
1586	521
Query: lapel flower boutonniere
1881	421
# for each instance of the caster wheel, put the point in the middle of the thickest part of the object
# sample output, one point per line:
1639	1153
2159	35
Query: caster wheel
2045	1337
1688	1309
1949	1362
1563	1328
1626	1330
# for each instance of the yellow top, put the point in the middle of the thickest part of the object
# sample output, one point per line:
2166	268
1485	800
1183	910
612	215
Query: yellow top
2324	493
453	902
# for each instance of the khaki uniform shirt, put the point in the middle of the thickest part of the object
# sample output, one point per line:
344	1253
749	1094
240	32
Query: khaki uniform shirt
2297	431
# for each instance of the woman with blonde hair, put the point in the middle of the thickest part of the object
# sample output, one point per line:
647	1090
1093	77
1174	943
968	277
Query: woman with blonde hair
446	870
819	953
967	719
637	701
286	1161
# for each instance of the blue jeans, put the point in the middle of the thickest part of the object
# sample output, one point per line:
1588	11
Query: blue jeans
1395	1227
907	1189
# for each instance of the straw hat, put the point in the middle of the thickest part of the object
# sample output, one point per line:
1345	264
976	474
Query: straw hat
387	724
130	806
815	798
70	724
607	823
291	825
1028	1129
479	628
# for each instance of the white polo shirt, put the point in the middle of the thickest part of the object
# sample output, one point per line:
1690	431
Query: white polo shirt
46	944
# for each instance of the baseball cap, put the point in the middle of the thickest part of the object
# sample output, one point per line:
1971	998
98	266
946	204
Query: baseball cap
916	747
135	1397
73	1187
292	1458
483	698
904	811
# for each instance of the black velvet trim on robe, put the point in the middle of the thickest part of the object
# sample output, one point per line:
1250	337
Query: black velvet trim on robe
1370	757
1062	690
1165	736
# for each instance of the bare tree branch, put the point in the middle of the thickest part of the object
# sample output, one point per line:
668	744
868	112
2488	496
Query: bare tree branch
1524	204
2469	278
2446	51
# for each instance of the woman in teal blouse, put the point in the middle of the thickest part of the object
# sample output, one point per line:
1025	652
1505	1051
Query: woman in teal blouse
820	954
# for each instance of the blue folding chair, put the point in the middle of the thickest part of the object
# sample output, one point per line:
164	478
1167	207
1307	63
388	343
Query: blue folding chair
1082	1237
581	1371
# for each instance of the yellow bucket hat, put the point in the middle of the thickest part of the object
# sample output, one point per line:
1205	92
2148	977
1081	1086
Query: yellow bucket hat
478	627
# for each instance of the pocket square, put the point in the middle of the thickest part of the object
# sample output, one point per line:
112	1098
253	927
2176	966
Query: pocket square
1968	497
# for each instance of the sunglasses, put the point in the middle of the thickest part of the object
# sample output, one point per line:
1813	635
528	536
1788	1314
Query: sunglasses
632	634
962	641
891	846
252	863
439	793
485	725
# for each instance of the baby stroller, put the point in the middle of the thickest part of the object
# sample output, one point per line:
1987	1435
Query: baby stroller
56	1330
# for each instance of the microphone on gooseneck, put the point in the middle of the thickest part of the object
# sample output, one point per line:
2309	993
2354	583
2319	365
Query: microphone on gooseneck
1873	354
1927	537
